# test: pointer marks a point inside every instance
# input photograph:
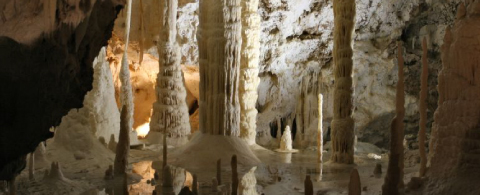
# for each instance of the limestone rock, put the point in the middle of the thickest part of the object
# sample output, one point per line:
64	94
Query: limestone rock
248	184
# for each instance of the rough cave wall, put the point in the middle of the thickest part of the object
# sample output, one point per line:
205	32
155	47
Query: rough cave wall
47	73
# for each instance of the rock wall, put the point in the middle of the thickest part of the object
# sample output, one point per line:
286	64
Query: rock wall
45	71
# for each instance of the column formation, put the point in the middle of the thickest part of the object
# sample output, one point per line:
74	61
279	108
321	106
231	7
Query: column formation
394	179
423	109
220	41
342	123
170	111
249	61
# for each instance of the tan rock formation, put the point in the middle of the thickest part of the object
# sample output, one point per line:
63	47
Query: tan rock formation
170	111
354	187
56	173
342	123
219	35
394	179
455	140
123	146
249	79
423	109
248	184
320	129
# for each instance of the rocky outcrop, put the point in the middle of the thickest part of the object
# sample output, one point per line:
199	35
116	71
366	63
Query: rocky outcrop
455	136
55	65
342	124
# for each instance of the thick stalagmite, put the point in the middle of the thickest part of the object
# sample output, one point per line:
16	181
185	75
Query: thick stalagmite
123	146
423	109
170	111
220	45
249	79
394	179
342	123
455	140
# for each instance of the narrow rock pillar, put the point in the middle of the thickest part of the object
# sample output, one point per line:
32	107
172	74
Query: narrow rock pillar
423	109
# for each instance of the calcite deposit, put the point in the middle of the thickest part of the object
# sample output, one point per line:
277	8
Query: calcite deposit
343	123
170	111
249	62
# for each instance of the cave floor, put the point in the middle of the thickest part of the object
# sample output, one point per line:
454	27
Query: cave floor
278	173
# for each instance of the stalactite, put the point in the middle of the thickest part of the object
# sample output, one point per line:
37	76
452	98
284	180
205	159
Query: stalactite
249	79
423	109
342	123
123	146
234	175
394	179
354	187
31	167
170	111
308	185
220	37
320	129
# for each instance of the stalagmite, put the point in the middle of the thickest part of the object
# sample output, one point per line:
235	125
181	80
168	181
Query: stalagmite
423	109
12	186
394	179
126	96
219	38
168	177
165	149
56	173
170	111
219	171
248	183
308	185
195	185
354	187
112	145
123	146
342	123
320	129
249	79
377	172
455	138
286	141
234	175
214	184
31	167
39	154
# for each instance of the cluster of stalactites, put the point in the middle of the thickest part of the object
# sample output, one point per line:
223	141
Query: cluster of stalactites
342	123
219	38
170	111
